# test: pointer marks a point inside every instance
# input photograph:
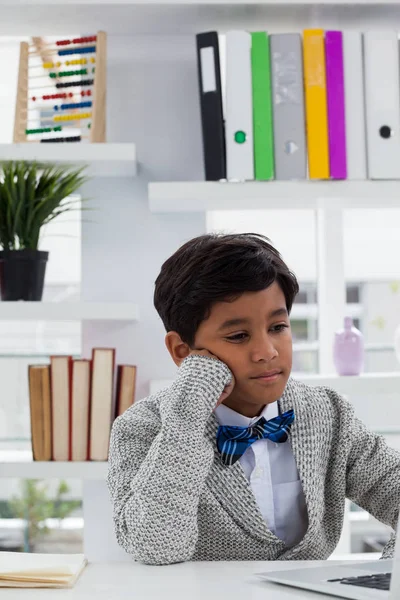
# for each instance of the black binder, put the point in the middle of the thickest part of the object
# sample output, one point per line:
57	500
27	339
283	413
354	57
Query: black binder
212	118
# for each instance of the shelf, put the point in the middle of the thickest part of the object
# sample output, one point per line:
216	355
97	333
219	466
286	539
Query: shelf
199	196
129	17
382	383
68	311
198	2
385	383
104	160
19	464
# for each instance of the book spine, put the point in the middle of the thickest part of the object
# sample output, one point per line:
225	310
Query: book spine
212	120
102	406
356	143
118	392
239	107
70	408
90	407
262	107
336	109
61	406
381	51
288	106
316	103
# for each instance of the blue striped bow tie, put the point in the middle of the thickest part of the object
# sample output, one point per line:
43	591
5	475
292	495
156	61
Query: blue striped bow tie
232	442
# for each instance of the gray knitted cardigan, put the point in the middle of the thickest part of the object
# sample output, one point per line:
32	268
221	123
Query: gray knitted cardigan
173	499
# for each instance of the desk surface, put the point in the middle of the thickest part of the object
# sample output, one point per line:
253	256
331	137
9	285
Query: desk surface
185	581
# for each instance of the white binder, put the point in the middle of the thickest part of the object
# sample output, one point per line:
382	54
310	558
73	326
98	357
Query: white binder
356	139
381	52
239	107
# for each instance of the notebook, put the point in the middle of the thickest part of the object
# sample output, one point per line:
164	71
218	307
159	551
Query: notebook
31	570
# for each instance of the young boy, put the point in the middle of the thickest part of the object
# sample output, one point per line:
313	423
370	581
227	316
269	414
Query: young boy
236	460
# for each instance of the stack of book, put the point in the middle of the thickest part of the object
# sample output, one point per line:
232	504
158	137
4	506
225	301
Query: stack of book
27	570
73	405
292	106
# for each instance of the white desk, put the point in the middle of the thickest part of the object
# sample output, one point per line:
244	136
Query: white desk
184	581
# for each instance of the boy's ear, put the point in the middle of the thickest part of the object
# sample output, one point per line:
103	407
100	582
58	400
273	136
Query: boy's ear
178	349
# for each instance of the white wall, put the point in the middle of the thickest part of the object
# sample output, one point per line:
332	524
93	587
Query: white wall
123	251
152	101
9	55
371	239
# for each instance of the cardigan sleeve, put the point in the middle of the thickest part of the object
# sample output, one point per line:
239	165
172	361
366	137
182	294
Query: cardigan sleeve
158	465
373	475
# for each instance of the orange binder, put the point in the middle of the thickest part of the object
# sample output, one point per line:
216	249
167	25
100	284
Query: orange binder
316	103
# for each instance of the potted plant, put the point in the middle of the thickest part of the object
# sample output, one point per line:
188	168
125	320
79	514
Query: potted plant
31	195
34	506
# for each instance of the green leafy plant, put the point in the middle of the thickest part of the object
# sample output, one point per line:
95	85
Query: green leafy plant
34	506
31	195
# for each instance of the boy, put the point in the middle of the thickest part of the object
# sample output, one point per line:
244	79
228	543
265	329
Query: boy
236	460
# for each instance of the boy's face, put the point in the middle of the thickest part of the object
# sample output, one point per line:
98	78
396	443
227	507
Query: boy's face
260	344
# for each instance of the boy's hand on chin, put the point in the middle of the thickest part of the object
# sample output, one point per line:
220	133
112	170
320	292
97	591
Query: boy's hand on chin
229	387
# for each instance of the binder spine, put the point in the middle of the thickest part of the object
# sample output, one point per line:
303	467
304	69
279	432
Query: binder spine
239	107
288	106
262	107
212	120
336	111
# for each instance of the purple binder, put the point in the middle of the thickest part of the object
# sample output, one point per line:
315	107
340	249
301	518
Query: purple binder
336	106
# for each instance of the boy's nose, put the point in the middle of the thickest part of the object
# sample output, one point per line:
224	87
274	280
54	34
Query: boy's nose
265	351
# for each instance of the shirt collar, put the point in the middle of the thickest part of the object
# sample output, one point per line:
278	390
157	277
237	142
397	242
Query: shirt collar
229	417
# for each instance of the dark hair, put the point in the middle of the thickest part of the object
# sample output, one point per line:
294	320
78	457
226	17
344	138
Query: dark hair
212	268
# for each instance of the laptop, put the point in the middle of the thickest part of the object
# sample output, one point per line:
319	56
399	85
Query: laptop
372	580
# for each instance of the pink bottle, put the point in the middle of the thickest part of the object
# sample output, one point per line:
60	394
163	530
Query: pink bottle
348	349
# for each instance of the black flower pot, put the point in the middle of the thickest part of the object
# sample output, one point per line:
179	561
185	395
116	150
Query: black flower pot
22	274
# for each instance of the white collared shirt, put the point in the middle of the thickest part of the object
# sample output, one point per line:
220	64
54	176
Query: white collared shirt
272	473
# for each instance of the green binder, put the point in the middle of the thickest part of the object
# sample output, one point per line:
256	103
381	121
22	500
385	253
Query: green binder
262	107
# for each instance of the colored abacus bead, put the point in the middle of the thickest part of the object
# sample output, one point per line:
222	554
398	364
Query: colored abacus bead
75	138
69	73
84	50
43	130
72	117
83	82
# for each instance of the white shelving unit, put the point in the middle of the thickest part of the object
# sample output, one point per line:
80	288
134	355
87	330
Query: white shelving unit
197	2
54	17
104	160
147	30
364	384
362	391
20	465
69	311
198	196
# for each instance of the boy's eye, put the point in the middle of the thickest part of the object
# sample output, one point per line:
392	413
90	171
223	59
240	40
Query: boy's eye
238	337
280	327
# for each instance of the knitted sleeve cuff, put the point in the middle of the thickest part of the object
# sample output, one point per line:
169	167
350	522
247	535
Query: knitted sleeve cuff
199	384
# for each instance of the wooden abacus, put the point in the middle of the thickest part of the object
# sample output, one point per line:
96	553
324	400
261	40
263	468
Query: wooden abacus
61	93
